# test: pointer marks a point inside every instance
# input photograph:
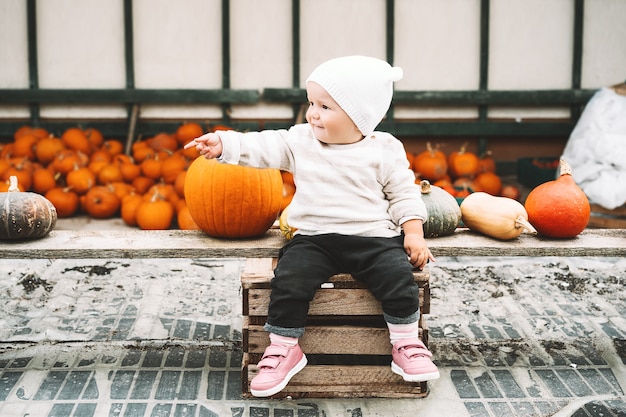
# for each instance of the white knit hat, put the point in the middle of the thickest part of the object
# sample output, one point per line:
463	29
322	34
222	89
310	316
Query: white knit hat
361	85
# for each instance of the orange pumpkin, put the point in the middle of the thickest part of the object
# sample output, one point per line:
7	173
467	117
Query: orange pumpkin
559	208
44	180
23	170
289	188
129	171
80	179
152	167
172	166
179	184
38	132
187	132
463	163
142	184
94	137
67	159
184	219
24	146
4	165
110	173
163	142
65	200
232	201
141	150
113	146
121	189
488	182
100	155
47	148
510	191
155	213
75	138
128	209
101	202
486	163
431	164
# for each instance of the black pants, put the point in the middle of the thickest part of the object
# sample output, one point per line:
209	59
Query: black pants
306	262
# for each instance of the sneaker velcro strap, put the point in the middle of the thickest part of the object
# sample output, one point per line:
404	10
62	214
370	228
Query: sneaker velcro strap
270	362
272	356
412	351
411	348
275	350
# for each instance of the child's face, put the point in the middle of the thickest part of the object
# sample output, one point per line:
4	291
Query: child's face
330	123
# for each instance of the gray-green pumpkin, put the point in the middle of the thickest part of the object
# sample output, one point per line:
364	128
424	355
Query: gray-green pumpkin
25	215
444	214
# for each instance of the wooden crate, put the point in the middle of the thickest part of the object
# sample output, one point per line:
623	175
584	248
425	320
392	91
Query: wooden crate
346	339
602	218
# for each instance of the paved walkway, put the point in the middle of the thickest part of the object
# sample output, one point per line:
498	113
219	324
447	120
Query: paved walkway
512	337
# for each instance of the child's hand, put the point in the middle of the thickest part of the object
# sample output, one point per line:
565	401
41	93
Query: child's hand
209	145
415	244
417	251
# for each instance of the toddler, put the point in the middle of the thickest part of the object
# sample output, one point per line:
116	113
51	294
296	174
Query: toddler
356	209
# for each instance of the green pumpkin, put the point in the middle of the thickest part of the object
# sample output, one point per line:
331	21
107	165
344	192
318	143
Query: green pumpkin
25	215
444	213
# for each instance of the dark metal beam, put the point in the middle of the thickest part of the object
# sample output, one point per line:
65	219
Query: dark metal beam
468	97
33	59
577	54
123	96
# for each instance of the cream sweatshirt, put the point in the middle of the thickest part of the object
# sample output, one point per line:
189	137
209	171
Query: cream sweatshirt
365	188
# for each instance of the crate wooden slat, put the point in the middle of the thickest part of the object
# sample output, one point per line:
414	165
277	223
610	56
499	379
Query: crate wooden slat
346	339
255	282
358	301
330	340
344	381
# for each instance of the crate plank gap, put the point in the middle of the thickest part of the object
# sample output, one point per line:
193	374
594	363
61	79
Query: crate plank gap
346	339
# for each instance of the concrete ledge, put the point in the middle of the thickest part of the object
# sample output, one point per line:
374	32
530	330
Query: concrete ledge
91	244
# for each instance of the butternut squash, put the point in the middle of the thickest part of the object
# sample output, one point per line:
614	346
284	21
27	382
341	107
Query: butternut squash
498	217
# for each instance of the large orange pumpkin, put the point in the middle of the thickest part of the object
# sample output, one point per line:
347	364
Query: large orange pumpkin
232	201
559	208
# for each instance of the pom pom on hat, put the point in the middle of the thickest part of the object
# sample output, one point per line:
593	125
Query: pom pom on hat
362	86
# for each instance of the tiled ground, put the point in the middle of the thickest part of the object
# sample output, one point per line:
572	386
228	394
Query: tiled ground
523	337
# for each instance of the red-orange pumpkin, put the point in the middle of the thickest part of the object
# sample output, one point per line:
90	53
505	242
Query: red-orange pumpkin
232	201
559	208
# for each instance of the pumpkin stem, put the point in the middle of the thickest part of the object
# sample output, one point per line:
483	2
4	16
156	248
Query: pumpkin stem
525	224
564	168
430	148
13	184
425	186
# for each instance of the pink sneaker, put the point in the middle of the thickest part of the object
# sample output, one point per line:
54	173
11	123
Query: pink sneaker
411	360
278	365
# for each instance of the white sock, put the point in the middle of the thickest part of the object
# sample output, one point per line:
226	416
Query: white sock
283	340
399	332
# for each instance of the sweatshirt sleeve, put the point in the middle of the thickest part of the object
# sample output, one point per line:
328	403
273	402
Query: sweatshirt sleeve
405	197
265	149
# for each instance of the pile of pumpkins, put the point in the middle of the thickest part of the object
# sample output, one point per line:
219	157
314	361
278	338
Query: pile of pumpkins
81	172
156	185
460	172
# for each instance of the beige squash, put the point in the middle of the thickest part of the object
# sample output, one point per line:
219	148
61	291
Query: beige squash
499	217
